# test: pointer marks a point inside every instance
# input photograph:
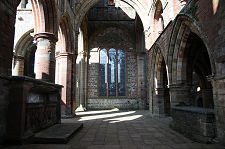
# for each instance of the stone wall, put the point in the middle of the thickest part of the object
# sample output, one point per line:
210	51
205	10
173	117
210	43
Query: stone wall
93	83
119	38
24	23
122	104
4	96
196	123
198	17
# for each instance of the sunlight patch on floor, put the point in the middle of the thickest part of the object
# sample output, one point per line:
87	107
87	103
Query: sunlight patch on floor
105	116
96	112
122	119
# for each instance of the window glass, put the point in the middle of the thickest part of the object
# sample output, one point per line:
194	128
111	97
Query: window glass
112	72
121	73
103	72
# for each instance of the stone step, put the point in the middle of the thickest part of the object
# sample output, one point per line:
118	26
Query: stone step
57	134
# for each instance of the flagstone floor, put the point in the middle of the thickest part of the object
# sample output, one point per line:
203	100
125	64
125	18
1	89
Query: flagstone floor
114	129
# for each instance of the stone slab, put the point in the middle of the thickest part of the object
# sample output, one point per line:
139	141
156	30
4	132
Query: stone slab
57	134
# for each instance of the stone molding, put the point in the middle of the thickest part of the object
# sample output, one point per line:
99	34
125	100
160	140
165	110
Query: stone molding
65	54
46	35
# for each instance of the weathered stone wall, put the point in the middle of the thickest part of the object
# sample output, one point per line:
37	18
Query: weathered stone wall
211	17
131	65
7	21
205	19
4	96
116	38
196	123
124	104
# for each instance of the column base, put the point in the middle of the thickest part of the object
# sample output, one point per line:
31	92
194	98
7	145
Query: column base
81	109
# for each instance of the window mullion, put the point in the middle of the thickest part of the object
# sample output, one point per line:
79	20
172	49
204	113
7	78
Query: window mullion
108	74
116	72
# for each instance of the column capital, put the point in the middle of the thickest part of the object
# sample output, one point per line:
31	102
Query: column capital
46	35
65	54
83	53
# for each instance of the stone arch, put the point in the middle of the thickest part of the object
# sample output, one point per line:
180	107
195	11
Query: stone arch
23	43
65	36
182	27
179	61
160	101
23	54
45	16
85	6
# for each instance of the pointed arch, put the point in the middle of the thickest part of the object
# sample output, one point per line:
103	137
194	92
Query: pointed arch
23	43
182	27
45	16
65	36
159	92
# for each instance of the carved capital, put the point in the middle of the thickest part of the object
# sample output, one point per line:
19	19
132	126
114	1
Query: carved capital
46	35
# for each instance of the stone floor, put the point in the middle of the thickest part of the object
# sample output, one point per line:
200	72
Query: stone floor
113	129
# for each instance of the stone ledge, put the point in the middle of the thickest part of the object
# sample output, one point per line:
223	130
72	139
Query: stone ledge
39	85
194	109
196	123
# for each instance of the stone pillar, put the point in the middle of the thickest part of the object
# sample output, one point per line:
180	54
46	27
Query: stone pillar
160	104
179	95
141	80
64	71
45	56
219	106
82	80
18	66
7	29
207	98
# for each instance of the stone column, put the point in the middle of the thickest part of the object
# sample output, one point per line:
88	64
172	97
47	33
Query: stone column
158	102
218	84
179	95
45	56
65	61
82	80
18	66
141	80
207	98
7	29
